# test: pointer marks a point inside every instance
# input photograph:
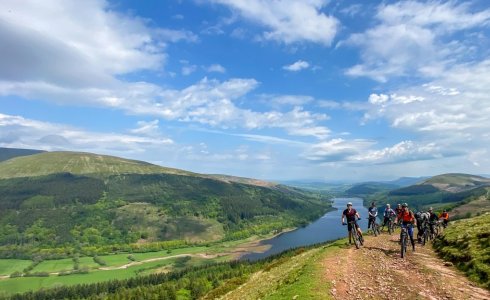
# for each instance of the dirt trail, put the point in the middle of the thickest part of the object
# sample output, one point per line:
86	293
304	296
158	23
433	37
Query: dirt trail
376	271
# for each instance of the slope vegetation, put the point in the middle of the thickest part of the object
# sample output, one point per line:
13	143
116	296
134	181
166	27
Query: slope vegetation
68	202
467	244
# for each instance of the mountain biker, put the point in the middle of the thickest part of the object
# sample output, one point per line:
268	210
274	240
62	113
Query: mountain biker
373	213
408	220
388	214
445	218
422	218
351	215
433	218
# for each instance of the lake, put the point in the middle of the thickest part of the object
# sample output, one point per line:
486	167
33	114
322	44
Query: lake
328	227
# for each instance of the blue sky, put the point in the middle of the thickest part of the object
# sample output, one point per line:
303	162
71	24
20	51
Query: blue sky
279	90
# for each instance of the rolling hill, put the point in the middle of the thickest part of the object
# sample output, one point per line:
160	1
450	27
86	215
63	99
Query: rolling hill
61	202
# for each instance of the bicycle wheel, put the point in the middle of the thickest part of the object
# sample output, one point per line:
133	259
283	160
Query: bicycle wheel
355	237
390	227
403	249
375	229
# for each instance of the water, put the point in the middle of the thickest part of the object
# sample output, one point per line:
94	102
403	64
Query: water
328	227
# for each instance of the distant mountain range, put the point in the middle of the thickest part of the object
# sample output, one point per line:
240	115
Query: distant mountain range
8	153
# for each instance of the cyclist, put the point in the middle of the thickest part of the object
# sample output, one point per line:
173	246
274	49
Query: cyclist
398	209
445	218
407	219
433	218
388	214
373	213
351	215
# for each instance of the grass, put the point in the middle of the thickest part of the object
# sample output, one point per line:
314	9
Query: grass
466	243
9	266
54	265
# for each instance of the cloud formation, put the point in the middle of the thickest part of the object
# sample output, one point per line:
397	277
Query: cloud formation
297	66
415	38
19	132
288	21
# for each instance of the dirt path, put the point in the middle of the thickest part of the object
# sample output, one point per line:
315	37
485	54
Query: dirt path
376	271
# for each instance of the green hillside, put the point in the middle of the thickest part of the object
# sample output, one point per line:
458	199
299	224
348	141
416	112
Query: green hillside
466	243
81	202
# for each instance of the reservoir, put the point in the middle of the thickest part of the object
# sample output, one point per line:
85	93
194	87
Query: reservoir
328	227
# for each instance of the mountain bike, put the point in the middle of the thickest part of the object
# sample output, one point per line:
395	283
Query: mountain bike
404	240
358	240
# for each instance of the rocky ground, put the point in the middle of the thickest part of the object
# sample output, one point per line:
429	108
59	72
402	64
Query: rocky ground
376	271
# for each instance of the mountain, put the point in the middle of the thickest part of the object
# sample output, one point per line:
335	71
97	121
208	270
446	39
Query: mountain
8	153
455	183
58	202
445	191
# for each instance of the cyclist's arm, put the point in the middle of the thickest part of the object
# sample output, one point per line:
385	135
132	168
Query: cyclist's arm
358	215
343	218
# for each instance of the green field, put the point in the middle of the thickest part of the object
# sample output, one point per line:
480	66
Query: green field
9	266
88	262
54	265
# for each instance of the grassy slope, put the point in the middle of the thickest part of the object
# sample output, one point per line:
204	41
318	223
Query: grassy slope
291	277
467	244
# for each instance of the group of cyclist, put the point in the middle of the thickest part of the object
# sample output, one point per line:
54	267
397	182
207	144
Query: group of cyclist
401	215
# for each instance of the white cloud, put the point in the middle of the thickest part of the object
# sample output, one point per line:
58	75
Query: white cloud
416	38
297	66
216	68
188	70
19	132
288	21
336	150
77	44
150	128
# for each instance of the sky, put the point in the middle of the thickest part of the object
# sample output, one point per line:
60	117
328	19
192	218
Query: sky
271	89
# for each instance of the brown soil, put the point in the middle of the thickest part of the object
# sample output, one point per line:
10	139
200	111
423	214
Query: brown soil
376	271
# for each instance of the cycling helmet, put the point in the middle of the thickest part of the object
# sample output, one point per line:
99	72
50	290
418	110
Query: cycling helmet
388	205
404	205
430	209
349	204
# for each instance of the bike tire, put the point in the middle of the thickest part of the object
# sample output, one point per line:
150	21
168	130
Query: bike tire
403	249
355	237
375	230
390	228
